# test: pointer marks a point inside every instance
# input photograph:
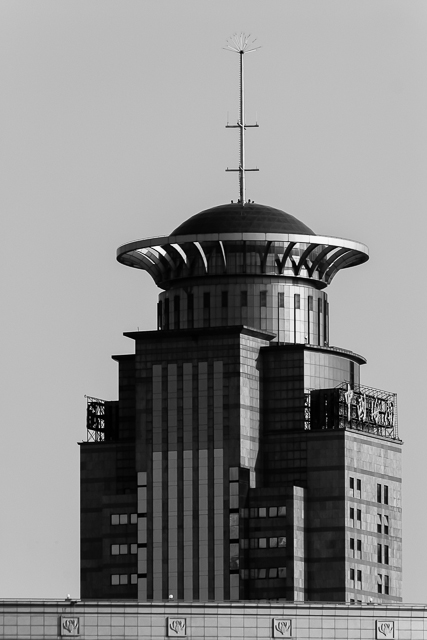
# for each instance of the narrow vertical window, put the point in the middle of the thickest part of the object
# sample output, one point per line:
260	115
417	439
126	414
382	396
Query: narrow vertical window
166	322
159	314
352	486
385	494
281	300
379	583
352	547
359	488
190	310
386	525
387	585
359	578
351	374
379	553
243	298
359	519
176	312
206	309
352	575
297	300
379	493
386	554
351	516
379	523
263	298
224	299
359	549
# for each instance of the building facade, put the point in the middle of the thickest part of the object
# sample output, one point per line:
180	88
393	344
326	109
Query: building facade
243	459
108	620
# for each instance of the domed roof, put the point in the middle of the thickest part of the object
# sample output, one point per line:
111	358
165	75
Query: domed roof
236	218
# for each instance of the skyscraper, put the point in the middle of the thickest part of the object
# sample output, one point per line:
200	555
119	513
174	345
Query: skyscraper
243	459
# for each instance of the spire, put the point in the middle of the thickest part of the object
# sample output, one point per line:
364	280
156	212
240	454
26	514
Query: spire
241	44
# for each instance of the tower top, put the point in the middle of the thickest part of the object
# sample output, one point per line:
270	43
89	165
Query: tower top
241	44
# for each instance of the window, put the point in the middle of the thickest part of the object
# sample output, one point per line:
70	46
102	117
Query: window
244	574
359	488
119	579
176	312
379	492
253	512
244	543
263	298
386	554
379	583
282	572
253	543
134	548
281	300
385	494
224	299
206	300
281	511
351	516
359	579
273	543
379	553
262	573
386	525
352	575
352	486
262	512
120	518
262	543
359	519
379	523
243	298
115	519
297	300
272	573
359	549
134	578
310	303
352	547
123	518
282	541
387	585
272	512
115	549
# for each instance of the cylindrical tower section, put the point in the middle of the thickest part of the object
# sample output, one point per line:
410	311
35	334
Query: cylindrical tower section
245	265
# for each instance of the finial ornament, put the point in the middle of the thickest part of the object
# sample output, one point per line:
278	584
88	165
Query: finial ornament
241	44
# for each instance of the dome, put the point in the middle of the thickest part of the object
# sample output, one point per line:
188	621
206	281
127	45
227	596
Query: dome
235	218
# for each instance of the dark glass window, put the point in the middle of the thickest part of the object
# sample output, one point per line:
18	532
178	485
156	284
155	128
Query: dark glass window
319	302
359	548
387	585
359	578
206	300
310	303
224	299
359	485
159	314
352	546
385	494
386	554
379	523
359	518
243	298
281	300
272	512
379	492
380	583
297	300
263	298
351	574
176	312
166	322
379	553
272	573
386	525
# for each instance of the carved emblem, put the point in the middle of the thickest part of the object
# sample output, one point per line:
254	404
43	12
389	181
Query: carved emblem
282	628
70	626
177	627
385	629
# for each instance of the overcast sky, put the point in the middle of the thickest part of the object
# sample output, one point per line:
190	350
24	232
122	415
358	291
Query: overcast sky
112	118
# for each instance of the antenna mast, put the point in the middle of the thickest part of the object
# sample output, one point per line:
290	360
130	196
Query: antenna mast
240	44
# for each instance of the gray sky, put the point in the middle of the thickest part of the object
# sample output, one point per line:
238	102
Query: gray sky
112	122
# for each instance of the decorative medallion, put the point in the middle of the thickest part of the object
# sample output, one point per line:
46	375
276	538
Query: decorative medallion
177	627
70	626
385	629
282	628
